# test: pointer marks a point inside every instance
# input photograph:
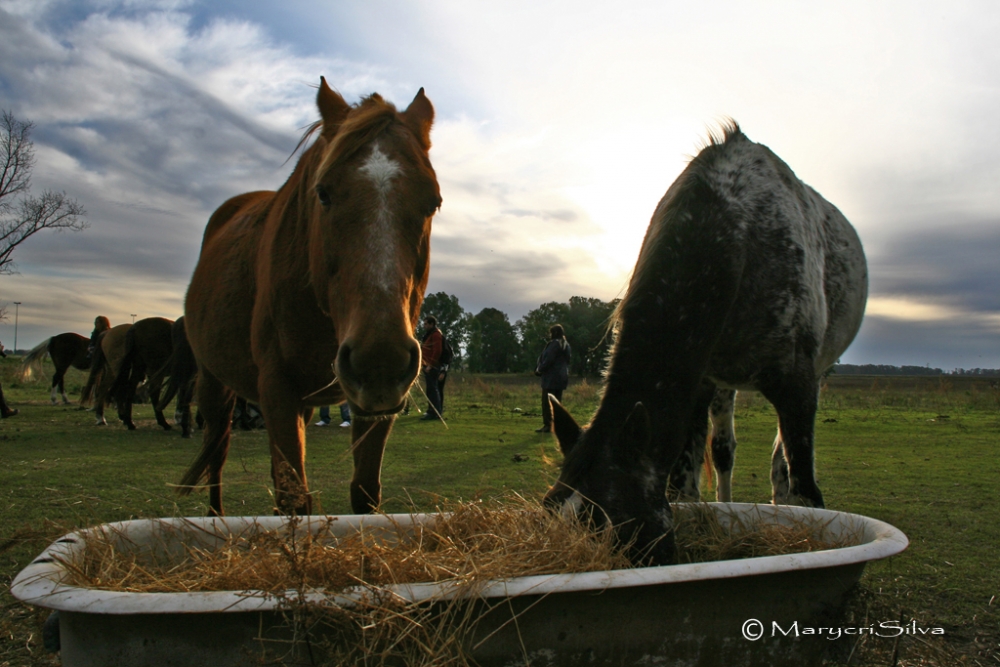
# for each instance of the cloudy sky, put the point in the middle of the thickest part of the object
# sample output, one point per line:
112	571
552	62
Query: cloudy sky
559	126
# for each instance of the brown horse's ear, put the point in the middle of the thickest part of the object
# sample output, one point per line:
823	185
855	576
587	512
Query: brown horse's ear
332	108
419	116
566	430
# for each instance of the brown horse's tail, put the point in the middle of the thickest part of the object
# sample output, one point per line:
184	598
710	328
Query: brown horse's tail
216	402
32	363
709	464
213	452
97	363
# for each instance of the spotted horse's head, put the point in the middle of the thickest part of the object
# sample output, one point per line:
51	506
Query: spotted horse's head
612	475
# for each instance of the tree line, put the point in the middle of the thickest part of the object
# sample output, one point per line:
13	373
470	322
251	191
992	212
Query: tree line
884	369
487	341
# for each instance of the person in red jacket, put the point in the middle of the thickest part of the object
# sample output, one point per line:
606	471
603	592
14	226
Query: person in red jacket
430	352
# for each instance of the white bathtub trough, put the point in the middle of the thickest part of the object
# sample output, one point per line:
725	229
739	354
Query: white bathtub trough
692	614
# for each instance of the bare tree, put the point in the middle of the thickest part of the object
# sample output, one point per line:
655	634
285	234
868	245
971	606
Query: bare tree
22	215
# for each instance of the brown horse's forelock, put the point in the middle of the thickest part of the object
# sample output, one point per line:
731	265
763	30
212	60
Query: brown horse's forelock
366	121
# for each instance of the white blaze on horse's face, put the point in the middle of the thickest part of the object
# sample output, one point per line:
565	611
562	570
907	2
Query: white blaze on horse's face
381	170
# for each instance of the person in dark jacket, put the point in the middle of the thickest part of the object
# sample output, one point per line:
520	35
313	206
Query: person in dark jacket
553	368
430	353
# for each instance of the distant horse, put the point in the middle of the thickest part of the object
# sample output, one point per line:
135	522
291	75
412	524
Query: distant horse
5	410
147	350
106	359
180	371
308	295
65	350
747	278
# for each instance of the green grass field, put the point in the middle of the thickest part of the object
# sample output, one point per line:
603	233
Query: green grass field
919	453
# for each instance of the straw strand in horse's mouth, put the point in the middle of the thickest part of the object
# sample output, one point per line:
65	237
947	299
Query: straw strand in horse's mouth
325	387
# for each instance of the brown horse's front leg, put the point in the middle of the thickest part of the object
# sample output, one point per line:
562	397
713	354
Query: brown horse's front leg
368	445
286	431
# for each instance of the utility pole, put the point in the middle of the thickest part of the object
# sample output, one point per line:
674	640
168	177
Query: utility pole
17	308
133	318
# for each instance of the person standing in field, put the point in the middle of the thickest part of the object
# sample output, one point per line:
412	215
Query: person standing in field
553	368
345	415
430	352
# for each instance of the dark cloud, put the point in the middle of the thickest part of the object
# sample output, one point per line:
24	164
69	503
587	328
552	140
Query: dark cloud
953	267
943	344
957	265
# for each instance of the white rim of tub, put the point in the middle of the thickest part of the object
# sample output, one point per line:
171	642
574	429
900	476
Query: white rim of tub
40	583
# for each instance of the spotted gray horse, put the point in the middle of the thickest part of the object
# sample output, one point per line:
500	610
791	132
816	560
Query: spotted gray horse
747	279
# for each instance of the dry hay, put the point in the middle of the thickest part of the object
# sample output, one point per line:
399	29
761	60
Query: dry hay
476	541
701	536
469	545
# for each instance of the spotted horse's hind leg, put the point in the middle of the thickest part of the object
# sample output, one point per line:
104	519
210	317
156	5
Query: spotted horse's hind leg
723	442
685	475
793	474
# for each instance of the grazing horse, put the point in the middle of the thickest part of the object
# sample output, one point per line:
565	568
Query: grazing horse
5	410
309	295
182	371
747	278
65	350
106	359
147	349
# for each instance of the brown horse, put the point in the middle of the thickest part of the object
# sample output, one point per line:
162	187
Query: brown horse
106	359
5	410
148	347
180	372
310	294
65	350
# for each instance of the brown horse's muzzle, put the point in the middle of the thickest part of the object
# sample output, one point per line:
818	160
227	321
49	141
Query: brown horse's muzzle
377	377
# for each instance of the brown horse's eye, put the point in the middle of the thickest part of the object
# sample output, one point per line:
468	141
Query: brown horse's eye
324	196
435	205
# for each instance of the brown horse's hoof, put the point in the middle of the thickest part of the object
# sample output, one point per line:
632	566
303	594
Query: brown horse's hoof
9	413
